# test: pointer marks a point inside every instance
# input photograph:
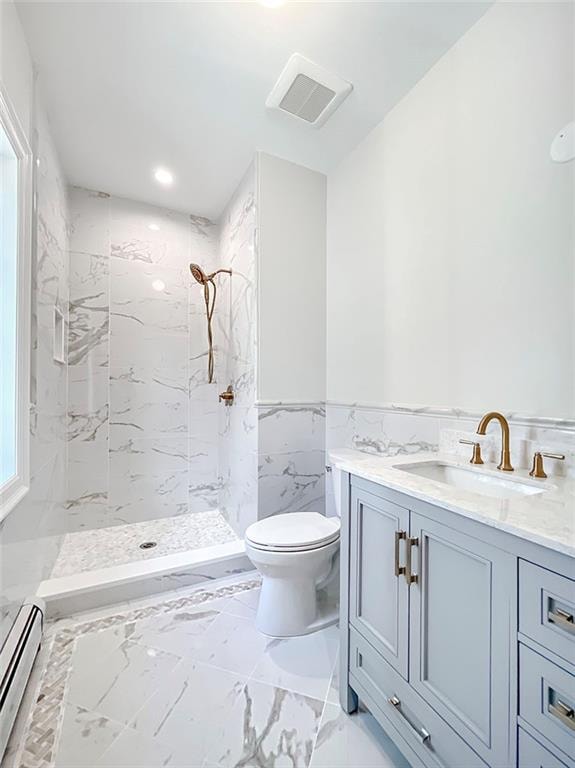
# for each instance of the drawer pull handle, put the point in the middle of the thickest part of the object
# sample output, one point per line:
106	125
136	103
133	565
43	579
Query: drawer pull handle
564	713
562	618
411	578
422	734
399	569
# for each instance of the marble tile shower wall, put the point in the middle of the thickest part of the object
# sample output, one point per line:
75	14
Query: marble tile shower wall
30	536
396	430
142	421
235	336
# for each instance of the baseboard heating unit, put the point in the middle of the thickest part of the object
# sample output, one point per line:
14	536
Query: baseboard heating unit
16	660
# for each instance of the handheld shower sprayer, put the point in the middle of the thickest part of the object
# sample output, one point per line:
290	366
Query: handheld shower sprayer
210	291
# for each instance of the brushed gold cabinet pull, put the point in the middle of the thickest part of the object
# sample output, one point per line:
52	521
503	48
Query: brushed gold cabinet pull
399	569
422	734
562	619
411	578
564	713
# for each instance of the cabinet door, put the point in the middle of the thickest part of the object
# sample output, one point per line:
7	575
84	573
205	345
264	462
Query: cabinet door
378	592
461	620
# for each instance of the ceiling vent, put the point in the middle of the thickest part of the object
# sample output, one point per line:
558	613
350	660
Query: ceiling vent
307	91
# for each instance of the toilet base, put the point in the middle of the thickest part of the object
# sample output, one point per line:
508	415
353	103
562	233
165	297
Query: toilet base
326	614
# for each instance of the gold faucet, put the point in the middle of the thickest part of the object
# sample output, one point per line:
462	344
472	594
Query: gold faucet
505	462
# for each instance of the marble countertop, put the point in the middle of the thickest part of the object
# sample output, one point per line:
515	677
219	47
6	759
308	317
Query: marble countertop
547	518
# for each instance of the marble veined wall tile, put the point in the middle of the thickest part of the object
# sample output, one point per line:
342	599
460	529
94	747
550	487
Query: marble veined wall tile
90	221
291	482
378	431
291	449
142	496
291	427
148	402
133	240
235	334
89	320
154	456
87	404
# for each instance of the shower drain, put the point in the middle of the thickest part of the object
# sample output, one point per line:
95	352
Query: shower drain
148	545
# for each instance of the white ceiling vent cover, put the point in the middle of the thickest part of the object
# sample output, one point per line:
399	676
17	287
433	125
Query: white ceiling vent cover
307	91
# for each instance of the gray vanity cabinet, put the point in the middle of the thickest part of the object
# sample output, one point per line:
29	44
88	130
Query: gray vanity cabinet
379	600
427	613
460	611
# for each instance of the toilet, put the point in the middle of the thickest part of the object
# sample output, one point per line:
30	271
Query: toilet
297	555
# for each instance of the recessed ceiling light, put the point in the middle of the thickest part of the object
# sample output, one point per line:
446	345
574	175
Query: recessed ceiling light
272	3
158	285
154	227
163	176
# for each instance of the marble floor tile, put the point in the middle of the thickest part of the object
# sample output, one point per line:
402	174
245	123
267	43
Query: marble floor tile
184	680
174	632
268	726
135	750
85	737
122	681
300	664
189	709
231	643
100	644
355	741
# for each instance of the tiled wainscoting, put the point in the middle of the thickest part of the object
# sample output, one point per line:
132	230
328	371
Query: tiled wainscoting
394	430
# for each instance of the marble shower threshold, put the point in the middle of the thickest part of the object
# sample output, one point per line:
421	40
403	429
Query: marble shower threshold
100	567
69	595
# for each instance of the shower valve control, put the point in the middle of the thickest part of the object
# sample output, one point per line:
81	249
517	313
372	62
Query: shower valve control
227	397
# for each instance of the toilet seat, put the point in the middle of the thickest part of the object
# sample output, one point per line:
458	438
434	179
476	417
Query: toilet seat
293	532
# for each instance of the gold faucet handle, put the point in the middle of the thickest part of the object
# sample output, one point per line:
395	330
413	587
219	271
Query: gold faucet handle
537	469
227	397
476	458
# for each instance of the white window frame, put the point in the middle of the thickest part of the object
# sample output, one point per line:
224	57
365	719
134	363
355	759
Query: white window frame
16	489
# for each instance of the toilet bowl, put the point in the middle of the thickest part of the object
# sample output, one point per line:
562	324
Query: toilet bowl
297	555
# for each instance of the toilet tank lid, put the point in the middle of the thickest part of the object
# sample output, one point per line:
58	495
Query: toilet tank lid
294	529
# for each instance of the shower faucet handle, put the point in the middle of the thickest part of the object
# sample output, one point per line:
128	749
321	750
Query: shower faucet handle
227	397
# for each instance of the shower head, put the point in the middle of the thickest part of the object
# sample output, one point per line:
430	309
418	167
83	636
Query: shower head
198	274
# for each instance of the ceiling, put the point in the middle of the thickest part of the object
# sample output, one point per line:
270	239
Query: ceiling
132	86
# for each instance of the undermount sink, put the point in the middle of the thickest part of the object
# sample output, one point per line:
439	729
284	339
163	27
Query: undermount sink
472	480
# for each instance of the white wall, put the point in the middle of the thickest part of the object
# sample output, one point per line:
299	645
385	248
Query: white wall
450	231
291	281
16	72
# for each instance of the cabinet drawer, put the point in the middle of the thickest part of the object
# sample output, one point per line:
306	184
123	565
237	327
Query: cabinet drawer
533	755
547	609
437	745
547	698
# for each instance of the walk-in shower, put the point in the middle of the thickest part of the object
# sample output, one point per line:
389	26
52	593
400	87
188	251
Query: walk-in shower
210	301
153	456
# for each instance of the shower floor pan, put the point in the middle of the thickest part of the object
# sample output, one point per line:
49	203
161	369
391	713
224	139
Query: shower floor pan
96	568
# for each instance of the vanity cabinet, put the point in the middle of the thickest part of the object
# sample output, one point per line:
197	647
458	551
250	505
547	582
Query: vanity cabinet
431	609
460	608
376	528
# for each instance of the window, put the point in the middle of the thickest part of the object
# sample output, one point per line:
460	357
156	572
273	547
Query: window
15	210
